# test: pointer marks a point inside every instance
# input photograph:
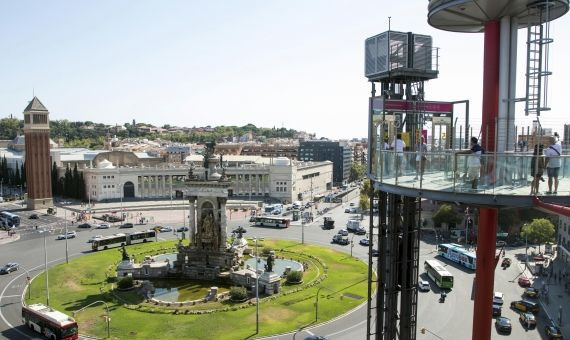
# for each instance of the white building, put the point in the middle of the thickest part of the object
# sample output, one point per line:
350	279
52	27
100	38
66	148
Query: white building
251	176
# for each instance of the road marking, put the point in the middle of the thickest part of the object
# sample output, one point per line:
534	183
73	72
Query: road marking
308	331
22	296
11	296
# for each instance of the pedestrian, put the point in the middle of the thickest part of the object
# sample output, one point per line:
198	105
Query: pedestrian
552	154
473	162
536	168
421	158
398	146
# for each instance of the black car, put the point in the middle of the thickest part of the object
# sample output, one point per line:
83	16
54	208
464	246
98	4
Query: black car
328	223
84	225
340	239
181	229
496	310
503	325
375	253
127	225
33	217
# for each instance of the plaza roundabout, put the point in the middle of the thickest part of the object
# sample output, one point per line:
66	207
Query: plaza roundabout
333	283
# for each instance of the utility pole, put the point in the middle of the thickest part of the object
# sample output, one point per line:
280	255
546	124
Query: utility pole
256	290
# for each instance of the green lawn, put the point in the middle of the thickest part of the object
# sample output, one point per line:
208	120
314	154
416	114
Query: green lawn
83	281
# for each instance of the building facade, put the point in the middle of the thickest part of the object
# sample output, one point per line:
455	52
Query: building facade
38	164
339	153
564	238
278	179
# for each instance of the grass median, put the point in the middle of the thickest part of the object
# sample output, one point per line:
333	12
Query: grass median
84	280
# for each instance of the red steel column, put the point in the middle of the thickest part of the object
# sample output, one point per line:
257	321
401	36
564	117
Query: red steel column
487	231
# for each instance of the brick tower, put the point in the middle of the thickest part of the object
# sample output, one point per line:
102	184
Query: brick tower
38	165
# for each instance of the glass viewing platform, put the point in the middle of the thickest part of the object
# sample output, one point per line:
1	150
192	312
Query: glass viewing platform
501	178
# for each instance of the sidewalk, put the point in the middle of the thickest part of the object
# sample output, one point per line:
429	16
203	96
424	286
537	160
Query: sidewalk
558	297
4	238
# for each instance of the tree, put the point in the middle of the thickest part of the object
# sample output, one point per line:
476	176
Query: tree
539	231
446	214
54	180
364	202
23	173
238	293
356	172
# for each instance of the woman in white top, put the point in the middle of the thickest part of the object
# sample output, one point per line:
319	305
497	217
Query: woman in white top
398	145
421	158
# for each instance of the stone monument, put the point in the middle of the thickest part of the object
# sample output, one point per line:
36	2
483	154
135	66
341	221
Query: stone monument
207	256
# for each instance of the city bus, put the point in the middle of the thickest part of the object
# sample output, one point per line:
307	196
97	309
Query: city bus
122	239
49	322
265	221
9	220
457	253
438	274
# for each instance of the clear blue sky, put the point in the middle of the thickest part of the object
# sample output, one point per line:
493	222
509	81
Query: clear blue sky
195	63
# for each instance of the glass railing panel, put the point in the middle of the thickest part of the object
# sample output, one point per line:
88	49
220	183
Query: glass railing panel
506	173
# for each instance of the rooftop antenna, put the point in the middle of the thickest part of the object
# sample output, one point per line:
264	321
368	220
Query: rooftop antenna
33	92
389	22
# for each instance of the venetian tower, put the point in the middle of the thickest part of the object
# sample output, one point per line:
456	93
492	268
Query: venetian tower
38	176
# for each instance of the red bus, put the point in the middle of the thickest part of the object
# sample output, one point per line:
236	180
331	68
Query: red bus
52	324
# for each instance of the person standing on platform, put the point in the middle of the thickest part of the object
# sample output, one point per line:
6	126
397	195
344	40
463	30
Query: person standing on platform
398	145
552	154
473	162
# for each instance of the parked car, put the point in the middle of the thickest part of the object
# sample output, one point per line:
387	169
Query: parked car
93	238
9	267
343	232
347	210
127	225
527	320
181	229
525	306
503	325
553	332
103	226
84	225
352	204
69	234
531	292
340	239
364	242
424	286
375	253
316	337
497	310
252	218
539	258
33	217
498	298
524	281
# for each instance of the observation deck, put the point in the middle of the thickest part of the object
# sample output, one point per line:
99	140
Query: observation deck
504	179
471	15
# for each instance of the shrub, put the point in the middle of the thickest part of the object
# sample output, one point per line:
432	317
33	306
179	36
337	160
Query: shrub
238	293
295	276
126	282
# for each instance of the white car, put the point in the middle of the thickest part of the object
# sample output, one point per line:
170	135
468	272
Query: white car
498	298
70	234
424	286
93	238
103	226
165	229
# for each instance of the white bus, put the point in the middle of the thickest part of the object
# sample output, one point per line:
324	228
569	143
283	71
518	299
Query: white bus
122	239
265	221
457	253
7	219
438	274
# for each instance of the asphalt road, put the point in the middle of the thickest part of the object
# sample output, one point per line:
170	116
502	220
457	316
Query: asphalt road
449	320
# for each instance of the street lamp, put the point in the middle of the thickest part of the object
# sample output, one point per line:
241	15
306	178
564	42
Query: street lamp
107	314
317	301
66	247
256	290
44	231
